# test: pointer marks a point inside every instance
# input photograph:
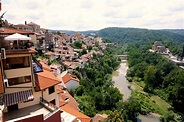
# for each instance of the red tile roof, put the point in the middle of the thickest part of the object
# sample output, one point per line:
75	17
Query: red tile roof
71	101
45	80
69	77
49	53
67	63
75	113
99	117
8	31
45	66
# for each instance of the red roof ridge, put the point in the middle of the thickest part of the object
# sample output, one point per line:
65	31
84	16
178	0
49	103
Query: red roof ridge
75	113
69	77
46	76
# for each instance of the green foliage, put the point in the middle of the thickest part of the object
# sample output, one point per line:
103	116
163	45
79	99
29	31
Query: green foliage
160	76
171	117
131	35
89	48
96	92
115	116
84	51
78	44
86	104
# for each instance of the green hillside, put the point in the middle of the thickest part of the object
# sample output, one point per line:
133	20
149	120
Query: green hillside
129	35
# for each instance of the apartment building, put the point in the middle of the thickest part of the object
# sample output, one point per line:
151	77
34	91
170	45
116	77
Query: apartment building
27	91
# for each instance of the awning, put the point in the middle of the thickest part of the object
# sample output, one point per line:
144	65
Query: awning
17	97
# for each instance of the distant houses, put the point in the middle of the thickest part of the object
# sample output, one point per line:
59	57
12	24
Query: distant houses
160	48
36	89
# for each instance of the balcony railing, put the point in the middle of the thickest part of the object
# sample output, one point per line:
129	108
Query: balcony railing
16	45
51	107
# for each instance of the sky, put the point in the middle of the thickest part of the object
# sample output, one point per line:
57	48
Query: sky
80	15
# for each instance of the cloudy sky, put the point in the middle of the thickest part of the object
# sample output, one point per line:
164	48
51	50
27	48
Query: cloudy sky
96	14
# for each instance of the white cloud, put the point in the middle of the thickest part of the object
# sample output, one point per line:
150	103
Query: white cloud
96	14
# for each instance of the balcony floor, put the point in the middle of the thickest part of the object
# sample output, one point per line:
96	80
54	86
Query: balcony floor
31	110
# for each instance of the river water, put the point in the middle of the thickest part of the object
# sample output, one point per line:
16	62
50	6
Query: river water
121	83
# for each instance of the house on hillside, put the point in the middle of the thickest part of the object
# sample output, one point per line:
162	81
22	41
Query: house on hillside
28	91
159	47
70	81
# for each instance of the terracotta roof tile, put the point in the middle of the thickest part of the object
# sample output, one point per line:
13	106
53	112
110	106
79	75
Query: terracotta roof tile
71	101
8	31
78	114
67	63
45	66
49	53
69	77
74	66
45	80
62	102
99	117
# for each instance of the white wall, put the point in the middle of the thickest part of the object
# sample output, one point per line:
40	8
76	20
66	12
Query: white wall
20	72
52	96
72	84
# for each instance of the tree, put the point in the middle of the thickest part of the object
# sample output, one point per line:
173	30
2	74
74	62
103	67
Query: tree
86	105
78	44
115	116
84	51
149	78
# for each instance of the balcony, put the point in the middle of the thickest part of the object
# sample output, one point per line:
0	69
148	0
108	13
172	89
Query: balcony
25	112
47	109
16	45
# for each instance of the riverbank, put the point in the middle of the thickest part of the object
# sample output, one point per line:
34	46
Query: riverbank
119	78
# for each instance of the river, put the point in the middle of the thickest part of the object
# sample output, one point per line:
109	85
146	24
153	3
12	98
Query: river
121	83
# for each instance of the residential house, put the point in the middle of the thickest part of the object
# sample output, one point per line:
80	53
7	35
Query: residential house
159	47
70	81
24	27
80	117
36	27
56	68
28	91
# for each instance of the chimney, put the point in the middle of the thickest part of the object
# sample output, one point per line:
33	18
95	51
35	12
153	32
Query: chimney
25	22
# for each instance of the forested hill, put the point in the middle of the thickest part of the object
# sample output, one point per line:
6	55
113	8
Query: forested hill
178	31
129	35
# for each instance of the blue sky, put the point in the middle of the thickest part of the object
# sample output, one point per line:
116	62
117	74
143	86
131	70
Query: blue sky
96	14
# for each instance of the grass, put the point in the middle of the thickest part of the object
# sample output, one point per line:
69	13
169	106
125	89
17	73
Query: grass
160	106
148	105
141	84
162	103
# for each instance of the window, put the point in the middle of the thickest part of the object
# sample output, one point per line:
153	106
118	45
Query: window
51	90
19	80
16	62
